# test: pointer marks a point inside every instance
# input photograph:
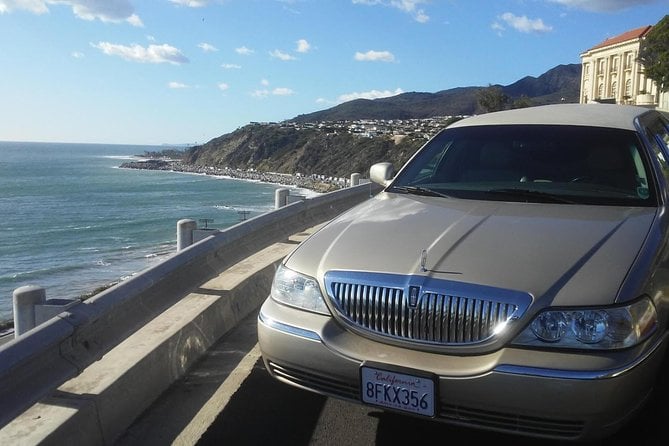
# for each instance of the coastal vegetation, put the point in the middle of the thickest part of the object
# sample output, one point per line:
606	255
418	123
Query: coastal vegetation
654	53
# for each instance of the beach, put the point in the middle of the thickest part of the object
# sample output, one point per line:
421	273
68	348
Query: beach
315	183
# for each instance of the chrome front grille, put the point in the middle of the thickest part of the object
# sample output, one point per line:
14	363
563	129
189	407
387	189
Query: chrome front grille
430	316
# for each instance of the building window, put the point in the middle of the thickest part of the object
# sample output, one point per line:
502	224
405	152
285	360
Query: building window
628	89
628	61
614	64
600	91
614	89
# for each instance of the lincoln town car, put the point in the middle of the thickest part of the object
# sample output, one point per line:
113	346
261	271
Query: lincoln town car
511	276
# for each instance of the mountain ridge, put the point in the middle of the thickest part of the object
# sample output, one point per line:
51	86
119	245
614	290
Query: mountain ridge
559	84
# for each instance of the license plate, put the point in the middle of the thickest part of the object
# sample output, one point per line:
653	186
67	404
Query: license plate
400	391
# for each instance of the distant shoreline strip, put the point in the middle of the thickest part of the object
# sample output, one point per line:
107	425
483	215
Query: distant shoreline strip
316	183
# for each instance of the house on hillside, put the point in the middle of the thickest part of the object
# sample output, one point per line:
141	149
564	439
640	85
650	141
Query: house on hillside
611	73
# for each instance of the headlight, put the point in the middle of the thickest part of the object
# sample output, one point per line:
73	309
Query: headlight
297	290
592	328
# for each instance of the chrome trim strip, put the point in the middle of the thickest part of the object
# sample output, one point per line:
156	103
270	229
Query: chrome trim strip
289	329
579	374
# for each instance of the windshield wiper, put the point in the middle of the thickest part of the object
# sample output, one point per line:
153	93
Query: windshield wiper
417	190
528	193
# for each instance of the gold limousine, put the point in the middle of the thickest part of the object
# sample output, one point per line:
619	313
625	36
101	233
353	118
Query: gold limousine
511	276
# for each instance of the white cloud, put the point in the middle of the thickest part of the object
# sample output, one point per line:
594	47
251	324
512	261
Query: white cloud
496	26
263	93
134	20
114	11
231	66
177	85
422	17
244	51
282	91
374	56
223	86
410	7
278	54
522	24
260	94
207	47
77	54
137	53
603	5
34	6
372	94
303	46
264	82
190	3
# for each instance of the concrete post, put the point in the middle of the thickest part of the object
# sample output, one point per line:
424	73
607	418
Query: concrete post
185	230
280	198
355	179
24	299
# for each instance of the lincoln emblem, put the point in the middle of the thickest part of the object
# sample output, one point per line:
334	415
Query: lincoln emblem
414	293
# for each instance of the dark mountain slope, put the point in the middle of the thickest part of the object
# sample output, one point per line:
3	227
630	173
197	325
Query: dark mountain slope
273	148
560	84
563	79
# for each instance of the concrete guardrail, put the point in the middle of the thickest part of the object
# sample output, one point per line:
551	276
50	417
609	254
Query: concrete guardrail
37	365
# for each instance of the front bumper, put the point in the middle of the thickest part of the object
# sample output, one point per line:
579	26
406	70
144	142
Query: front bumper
501	391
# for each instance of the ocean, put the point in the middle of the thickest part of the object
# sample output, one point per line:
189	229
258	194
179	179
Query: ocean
73	221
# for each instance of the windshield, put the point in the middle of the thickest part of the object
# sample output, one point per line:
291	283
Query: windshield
538	163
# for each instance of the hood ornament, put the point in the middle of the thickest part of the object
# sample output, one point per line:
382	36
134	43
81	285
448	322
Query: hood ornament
423	261
424	269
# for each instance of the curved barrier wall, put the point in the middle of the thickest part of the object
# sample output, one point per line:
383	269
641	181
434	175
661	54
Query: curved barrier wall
34	365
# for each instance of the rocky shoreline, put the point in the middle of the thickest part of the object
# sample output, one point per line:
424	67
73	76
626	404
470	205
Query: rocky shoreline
316	183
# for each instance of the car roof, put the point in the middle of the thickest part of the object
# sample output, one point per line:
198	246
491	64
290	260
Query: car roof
592	115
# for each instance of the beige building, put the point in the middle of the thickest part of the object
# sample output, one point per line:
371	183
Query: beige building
612	73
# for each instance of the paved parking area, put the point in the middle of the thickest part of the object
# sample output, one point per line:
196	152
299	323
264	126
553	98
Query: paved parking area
228	398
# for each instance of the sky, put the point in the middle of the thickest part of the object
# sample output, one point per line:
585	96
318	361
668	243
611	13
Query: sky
186	71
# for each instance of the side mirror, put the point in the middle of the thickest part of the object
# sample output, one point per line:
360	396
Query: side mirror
382	173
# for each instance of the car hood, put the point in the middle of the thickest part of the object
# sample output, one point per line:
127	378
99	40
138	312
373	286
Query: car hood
561	254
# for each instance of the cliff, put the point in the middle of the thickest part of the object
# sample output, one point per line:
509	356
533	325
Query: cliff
291	150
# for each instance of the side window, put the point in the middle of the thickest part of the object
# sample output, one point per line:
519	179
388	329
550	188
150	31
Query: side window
658	135
641	174
663	134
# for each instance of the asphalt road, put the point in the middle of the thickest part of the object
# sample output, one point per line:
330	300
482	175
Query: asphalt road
229	399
